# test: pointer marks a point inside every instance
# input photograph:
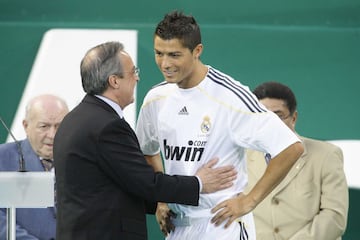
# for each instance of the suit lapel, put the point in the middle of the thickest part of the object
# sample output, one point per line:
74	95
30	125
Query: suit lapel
256	161
296	168
32	161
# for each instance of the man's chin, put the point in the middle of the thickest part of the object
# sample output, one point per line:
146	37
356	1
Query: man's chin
47	153
170	80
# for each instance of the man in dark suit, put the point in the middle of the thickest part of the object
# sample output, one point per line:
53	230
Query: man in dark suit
104	184
42	118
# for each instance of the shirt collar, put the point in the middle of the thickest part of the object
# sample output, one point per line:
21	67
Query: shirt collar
112	104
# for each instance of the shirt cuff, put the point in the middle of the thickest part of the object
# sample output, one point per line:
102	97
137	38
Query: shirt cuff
200	183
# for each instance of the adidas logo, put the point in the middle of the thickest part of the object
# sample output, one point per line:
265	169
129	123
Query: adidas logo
183	111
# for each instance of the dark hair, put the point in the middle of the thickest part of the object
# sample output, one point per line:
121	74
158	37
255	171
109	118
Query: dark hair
278	91
177	25
98	64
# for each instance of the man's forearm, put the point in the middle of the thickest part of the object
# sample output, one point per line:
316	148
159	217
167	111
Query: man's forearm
155	161
276	171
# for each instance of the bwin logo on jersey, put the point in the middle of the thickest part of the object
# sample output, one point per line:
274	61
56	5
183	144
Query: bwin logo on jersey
192	152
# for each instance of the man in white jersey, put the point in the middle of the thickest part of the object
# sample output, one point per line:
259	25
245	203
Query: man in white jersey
199	113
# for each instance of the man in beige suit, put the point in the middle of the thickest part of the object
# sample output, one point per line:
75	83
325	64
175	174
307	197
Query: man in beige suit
311	203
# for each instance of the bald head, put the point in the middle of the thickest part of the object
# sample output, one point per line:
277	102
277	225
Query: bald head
43	116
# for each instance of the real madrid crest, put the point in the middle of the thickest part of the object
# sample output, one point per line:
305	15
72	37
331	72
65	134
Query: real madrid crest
206	125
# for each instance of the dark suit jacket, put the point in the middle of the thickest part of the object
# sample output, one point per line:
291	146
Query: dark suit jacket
103	180
31	223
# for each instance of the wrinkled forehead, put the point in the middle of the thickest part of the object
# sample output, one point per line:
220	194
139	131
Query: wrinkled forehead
47	111
126	60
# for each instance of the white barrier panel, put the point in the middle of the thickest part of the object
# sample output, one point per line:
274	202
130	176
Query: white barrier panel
350	150
26	189
56	69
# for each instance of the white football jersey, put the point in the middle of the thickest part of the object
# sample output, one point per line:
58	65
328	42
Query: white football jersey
220	117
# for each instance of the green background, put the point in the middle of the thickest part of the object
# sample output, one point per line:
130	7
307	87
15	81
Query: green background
312	46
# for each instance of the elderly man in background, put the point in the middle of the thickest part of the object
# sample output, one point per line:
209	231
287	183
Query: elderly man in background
42	119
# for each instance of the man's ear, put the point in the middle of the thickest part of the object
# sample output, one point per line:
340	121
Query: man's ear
25	124
294	119
198	51
113	81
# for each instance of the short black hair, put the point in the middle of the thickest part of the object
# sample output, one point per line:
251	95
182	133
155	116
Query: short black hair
278	91
179	26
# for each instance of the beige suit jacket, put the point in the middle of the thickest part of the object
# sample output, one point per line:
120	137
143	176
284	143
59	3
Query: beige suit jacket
311	203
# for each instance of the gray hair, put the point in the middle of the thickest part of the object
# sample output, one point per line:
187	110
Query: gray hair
98	64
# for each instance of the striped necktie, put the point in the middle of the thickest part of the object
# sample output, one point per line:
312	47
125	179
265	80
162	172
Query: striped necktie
47	164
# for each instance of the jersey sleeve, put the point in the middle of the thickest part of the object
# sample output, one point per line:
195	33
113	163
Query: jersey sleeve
146	130
262	131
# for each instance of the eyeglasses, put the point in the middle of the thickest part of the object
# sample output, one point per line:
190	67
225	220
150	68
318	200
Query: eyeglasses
135	72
